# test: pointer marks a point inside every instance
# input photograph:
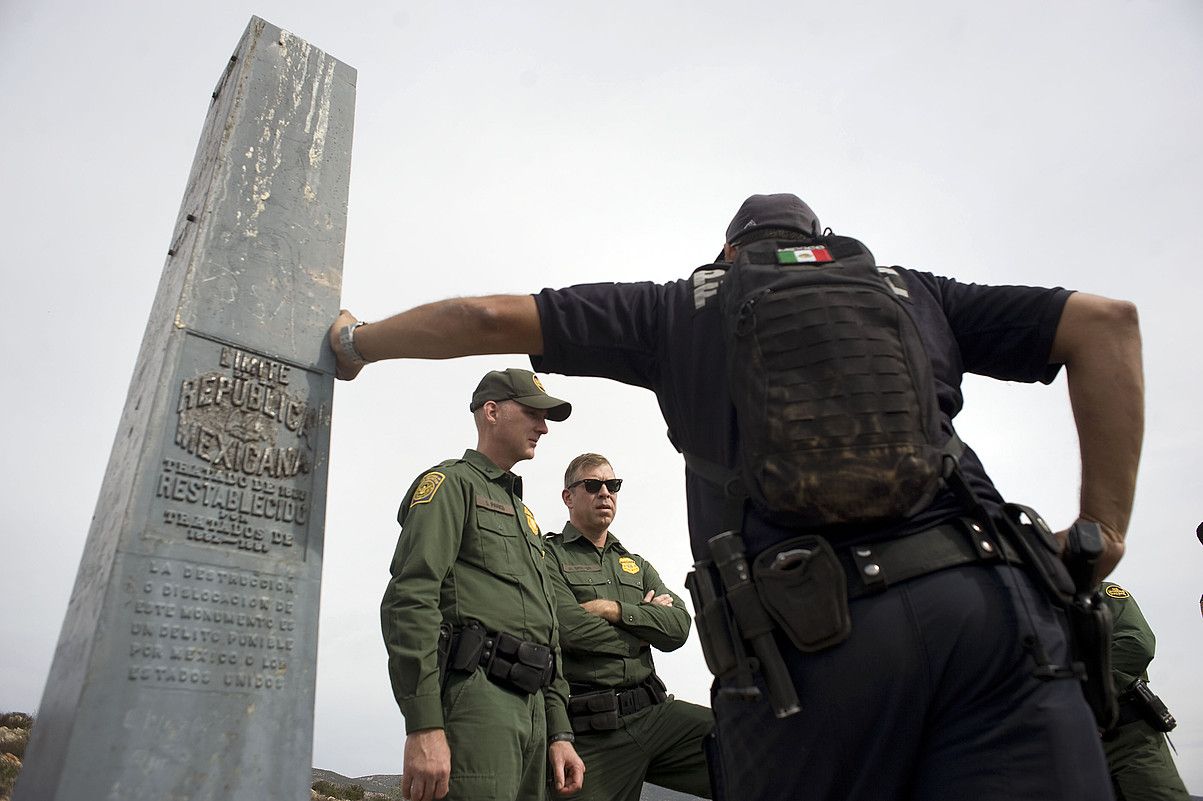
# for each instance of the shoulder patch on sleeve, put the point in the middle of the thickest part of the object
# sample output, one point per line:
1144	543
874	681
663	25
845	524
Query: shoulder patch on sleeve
427	487
628	564
1116	591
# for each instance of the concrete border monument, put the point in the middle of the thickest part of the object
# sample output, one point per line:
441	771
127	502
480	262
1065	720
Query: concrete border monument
186	664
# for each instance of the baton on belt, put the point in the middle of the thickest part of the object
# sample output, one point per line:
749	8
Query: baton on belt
754	624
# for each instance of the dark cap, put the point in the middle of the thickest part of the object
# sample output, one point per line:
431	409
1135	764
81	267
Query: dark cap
522	386
773	211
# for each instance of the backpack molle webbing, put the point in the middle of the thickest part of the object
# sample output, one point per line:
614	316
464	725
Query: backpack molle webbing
834	398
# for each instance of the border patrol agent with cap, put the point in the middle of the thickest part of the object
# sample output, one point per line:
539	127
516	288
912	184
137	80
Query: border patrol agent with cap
613	609
469	616
937	690
1142	768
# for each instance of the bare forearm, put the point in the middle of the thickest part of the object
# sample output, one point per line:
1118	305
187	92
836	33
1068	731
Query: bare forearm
455	327
1099	342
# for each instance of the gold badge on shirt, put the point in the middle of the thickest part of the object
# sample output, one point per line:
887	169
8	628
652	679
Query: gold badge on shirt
1116	591
628	564
427	487
530	520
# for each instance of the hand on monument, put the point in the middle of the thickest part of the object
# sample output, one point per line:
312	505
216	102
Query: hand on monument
605	609
567	769
346	366
658	600
427	765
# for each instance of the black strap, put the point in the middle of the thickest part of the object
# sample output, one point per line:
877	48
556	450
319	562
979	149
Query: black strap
873	567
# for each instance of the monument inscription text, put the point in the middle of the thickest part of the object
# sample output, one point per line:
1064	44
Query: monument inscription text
237	472
201	627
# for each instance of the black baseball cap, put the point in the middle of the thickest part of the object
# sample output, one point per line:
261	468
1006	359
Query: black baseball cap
522	386
773	211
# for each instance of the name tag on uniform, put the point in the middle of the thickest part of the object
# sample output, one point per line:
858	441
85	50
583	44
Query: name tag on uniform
581	568
494	506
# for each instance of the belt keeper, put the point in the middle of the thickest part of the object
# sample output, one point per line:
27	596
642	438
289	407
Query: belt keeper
867	569
986	550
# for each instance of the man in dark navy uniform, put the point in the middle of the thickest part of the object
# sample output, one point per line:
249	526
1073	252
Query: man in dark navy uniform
933	696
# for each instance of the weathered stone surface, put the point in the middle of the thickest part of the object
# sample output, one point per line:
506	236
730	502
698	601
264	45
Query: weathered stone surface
185	667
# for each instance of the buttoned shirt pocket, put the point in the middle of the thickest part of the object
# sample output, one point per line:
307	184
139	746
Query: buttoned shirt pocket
631	587
587	582
499	542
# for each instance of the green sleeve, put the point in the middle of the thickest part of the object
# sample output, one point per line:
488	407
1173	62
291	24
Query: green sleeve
581	631
555	701
1132	641
409	614
663	627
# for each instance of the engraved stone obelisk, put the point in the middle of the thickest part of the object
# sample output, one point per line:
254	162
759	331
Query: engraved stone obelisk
185	667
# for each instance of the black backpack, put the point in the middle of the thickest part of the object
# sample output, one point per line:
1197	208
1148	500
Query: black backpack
833	393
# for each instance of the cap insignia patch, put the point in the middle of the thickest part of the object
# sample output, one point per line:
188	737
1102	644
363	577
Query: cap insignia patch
427	487
628	564
539	384
1116	591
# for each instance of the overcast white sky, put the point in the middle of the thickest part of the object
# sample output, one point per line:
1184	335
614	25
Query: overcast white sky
504	147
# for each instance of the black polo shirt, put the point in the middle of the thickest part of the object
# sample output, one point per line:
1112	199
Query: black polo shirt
666	338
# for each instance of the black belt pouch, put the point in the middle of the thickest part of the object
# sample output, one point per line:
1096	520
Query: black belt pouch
803	586
596	711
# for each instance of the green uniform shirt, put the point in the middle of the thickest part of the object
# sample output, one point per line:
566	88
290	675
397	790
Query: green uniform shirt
1142	768
596	652
469	549
1132	641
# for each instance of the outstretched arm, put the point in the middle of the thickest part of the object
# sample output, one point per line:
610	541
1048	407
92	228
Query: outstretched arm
1098	341
443	330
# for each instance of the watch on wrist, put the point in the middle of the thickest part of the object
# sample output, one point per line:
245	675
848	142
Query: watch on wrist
346	339
562	737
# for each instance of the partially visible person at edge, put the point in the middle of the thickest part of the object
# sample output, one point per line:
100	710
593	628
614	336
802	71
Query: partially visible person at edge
469	569
1138	753
613	609
916	703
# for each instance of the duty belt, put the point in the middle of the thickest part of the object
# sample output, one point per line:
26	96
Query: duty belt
508	661
593	710
871	568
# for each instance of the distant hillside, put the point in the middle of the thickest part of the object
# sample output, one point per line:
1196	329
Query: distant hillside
384	784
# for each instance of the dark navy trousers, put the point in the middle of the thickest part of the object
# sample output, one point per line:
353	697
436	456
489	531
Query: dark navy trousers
931	698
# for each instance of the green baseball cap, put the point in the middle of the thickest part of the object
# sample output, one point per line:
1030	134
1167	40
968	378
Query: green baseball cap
522	386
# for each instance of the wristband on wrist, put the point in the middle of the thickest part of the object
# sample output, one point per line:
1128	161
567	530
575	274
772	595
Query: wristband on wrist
346	338
562	737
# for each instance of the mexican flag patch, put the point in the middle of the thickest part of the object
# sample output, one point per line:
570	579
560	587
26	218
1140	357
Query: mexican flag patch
806	255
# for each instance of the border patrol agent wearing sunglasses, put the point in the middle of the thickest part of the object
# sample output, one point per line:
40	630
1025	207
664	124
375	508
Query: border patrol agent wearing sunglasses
613	609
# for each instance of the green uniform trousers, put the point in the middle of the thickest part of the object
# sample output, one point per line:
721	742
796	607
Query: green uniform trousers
1141	766
662	744
498	740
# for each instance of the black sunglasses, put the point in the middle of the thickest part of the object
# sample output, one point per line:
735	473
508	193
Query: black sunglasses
594	485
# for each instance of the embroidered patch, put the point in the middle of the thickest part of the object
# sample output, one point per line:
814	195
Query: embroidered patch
530	520
535	380
494	506
628	564
427	487
581	568
805	255
1116	591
